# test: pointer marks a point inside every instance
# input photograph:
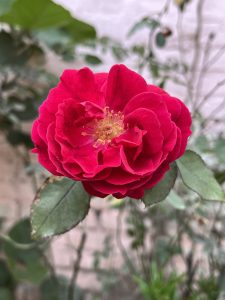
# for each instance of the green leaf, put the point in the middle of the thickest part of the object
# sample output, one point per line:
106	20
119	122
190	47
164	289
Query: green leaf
6	294
146	22
5	276
52	290
10	52
5	6
154	68
59	206
202	143
52	37
159	192
196	175
92	59
43	14
16	138
25	265
220	150
175	200
160	40
79	31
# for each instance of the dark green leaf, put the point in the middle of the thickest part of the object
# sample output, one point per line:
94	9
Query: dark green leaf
10	52
16	137
159	192
144	23
198	177
79	31
52	290
25	265
119	52
6	294
29	109
43	14
16	51
220	176
92	59
5	276
160	40
59	206
36	14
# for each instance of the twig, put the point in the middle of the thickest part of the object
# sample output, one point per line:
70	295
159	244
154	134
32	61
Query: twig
164	9
147	57
215	58
197	49
181	52
203	70
209	94
120	243
215	111
51	269
76	268
197	38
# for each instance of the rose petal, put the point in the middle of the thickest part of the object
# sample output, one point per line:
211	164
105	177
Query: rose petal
82	86
122	85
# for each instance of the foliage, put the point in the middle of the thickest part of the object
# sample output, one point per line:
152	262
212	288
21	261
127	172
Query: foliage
60	204
162	189
179	225
159	287
24	82
24	264
45	14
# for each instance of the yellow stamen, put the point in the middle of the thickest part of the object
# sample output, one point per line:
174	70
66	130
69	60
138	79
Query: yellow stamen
109	127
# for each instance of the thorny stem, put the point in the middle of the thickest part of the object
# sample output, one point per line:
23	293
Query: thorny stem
76	267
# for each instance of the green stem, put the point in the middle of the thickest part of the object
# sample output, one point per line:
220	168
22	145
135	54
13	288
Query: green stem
17	245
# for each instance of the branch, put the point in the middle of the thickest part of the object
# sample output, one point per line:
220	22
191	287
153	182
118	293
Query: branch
76	268
203	70
210	93
197	48
120	243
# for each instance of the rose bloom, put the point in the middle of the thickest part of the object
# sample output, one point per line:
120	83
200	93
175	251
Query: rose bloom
112	131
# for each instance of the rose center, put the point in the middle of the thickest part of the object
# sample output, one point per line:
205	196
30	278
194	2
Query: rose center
109	127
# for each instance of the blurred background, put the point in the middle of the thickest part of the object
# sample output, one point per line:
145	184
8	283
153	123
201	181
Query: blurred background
175	250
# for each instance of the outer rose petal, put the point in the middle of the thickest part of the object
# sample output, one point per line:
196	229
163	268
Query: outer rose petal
42	150
89	189
155	89
182	118
82	85
122	85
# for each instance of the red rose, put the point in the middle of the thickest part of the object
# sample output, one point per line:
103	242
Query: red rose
112	131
